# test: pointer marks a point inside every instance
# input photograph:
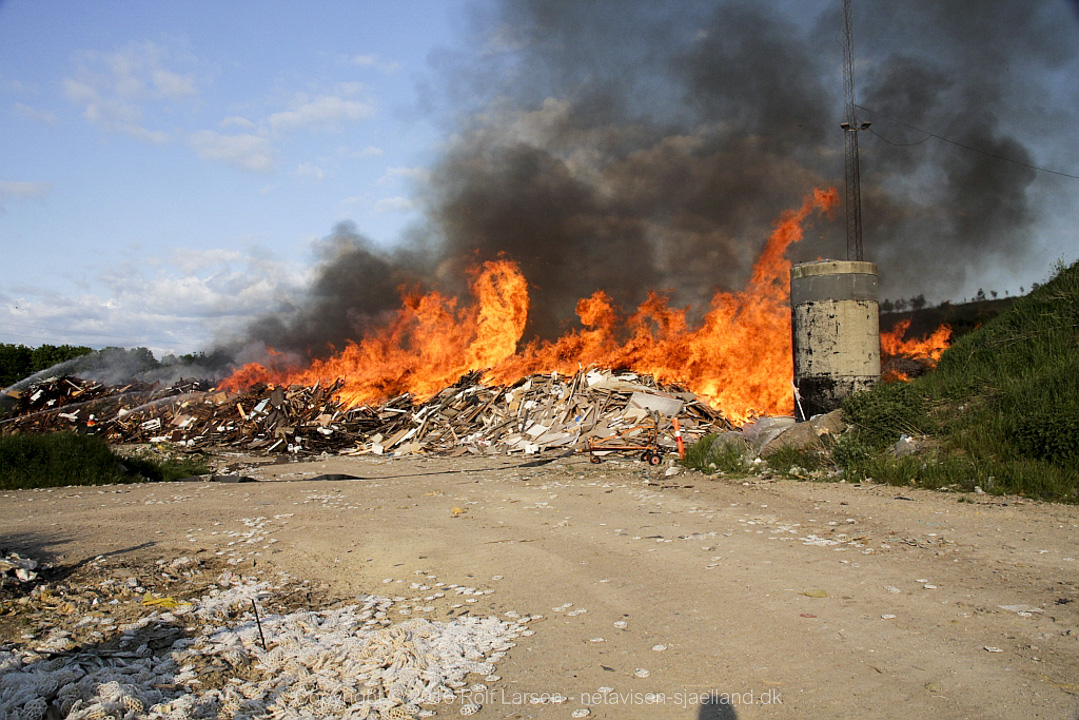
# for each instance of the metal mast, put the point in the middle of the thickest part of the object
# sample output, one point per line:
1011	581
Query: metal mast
851	127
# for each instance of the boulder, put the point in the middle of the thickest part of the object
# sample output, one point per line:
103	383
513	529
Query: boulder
800	436
829	423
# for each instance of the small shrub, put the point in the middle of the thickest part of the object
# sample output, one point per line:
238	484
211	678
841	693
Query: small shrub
167	467
782	460
1052	437
62	459
714	453
885	413
728	457
696	456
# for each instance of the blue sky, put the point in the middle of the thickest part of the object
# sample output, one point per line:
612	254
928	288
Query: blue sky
166	166
169	170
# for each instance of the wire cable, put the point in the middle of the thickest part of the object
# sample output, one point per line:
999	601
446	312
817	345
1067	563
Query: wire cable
965	147
897	144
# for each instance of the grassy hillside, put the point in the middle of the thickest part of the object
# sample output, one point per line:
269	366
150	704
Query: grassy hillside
1000	412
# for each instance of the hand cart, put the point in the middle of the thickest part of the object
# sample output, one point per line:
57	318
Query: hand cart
643	438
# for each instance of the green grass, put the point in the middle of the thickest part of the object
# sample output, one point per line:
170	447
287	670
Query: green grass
796	463
62	459
1000	411
715	454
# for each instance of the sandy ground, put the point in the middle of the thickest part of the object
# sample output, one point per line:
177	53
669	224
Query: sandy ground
740	598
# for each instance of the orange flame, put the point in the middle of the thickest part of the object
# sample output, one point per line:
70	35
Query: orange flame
890	376
253	373
930	347
738	359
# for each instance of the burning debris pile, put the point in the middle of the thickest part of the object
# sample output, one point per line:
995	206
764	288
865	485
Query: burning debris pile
594	409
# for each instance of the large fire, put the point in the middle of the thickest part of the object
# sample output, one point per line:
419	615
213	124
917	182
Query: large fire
738	358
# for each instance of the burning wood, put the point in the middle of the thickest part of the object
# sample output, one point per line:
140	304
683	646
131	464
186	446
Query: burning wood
738	357
537	413
903	358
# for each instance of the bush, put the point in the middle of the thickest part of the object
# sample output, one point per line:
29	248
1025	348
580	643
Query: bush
61	459
784	459
716	453
880	417
1054	438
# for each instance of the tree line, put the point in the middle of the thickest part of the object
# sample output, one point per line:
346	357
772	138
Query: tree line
918	302
19	361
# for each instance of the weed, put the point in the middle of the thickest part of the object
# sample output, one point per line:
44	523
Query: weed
784	460
717	453
61	459
697	454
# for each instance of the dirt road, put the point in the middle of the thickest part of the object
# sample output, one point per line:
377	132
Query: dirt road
663	596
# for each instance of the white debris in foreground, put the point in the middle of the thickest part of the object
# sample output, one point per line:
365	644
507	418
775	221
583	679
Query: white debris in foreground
347	663
18	567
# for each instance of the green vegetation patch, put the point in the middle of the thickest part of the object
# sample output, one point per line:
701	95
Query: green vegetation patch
19	361
1000	412
62	459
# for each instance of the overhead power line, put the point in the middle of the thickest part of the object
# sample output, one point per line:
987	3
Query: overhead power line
958	144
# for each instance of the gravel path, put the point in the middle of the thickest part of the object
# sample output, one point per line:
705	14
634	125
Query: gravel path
662	596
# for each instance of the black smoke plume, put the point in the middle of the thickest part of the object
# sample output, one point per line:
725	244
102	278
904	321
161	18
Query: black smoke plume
628	146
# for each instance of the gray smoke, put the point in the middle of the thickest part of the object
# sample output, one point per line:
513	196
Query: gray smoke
356	287
627	146
937	213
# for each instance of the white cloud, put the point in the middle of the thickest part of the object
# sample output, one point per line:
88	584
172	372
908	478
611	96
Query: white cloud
373	61
323	111
115	88
173	85
310	170
175	305
394	204
419	174
347	152
349	88
111	112
238	121
23	190
190	260
43	116
245	151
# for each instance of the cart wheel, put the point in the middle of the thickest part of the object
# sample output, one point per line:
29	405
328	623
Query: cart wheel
654	458
594	458
646	456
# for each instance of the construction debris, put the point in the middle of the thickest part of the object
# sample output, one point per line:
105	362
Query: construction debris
18	568
600	411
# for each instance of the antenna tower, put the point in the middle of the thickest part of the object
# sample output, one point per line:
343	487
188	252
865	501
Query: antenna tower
851	128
